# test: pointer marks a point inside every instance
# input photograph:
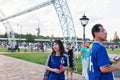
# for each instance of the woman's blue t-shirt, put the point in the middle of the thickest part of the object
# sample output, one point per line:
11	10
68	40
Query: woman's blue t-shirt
55	62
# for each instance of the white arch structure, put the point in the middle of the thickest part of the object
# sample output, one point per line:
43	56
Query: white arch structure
63	13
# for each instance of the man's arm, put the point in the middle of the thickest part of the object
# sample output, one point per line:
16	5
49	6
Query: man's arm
106	69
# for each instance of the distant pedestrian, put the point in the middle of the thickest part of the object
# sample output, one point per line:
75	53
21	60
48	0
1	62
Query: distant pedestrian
31	47
25	47
42	47
70	54
84	52
17	47
113	47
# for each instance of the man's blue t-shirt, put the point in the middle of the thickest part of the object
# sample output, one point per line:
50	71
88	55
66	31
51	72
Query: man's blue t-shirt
55	63
99	58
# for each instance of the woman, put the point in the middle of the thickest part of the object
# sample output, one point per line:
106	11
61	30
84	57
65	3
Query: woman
84	52
58	62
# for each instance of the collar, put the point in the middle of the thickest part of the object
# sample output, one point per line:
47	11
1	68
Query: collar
98	42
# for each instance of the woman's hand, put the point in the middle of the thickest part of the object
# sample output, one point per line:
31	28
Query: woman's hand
53	70
56	71
63	69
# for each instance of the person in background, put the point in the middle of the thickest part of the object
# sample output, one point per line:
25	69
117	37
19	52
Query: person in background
31	47
25	47
42	47
84	52
100	67
113	47
17	47
70	54
59	62
90	46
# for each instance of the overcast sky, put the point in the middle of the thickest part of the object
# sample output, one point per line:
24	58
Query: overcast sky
105	12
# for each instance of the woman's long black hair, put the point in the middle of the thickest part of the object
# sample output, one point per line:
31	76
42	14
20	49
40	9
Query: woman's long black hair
59	42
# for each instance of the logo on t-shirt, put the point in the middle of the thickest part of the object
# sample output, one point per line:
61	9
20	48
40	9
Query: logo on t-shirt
62	60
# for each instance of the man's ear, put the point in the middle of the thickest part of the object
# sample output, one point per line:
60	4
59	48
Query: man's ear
95	33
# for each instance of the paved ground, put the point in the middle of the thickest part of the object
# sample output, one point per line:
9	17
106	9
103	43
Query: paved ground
15	69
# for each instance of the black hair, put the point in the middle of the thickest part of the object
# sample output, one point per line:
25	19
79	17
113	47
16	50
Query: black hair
95	29
59	42
68	43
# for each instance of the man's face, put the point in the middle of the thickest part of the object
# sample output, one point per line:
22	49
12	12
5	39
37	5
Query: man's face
102	34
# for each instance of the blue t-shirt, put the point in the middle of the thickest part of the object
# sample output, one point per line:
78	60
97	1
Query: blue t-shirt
55	63
99	58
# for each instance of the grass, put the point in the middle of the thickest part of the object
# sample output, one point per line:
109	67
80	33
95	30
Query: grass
40	58
116	51
79	65
2	49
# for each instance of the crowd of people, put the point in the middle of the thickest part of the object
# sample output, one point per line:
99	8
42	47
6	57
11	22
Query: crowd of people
96	64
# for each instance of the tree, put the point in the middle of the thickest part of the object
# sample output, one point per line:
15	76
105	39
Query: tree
4	35
116	38
30	38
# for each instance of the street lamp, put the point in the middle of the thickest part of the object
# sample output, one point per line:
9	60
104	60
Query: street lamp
84	21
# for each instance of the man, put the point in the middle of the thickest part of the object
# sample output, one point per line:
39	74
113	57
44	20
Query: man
100	65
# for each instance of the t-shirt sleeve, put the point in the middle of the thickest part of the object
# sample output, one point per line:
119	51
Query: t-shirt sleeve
48	61
66	60
102	57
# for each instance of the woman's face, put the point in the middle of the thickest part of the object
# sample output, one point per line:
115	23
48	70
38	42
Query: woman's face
86	44
56	47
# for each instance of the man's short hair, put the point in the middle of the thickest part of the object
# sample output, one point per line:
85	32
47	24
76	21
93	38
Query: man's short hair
95	29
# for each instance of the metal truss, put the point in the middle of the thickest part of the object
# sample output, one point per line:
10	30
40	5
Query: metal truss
9	30
65	19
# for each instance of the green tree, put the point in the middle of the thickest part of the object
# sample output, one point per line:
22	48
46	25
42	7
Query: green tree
30	38
4	35
116	38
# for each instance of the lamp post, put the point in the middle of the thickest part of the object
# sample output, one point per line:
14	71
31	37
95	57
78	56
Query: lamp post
84	21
